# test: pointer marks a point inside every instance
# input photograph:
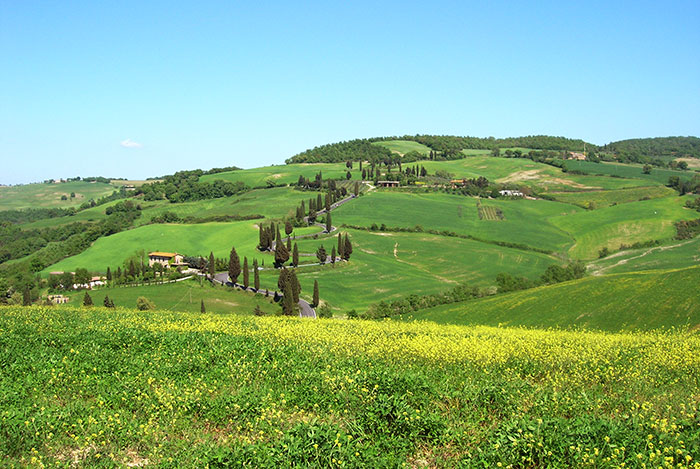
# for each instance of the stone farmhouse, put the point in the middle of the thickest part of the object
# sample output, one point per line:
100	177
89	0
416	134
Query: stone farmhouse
166	259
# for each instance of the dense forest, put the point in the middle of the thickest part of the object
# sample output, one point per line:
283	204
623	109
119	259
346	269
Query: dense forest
675	147
443	146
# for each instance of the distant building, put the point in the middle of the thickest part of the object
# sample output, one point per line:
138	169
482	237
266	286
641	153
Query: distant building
129	187
510	193
573	155
58	299
388	183
166	259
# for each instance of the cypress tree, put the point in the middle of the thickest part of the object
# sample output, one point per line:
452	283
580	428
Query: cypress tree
319	202
333	255
212	264
87	300
261	237
246	273
27	297
360	164
328	202
295	256
256	275
107	302
234	265
281	253
347	248
296	286
282	279
202	309
312	205
109	275
357	189
289	244
132	268
329	225
288	228
341	245
303	210
315	301
119	272
288	300
321	254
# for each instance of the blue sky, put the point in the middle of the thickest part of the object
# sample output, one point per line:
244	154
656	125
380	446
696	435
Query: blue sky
138	89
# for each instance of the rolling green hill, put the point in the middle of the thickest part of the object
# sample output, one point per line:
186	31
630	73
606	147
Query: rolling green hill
526	221
643	300
601	199
659	175
404	146
283	174
43	195
672	255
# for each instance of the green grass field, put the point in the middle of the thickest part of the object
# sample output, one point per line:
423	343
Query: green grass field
283	174
526	221
627	171
404	146
631	301
522	171
623	224
388	266
606	198
90	387
194	240
673	255
183	296
49	195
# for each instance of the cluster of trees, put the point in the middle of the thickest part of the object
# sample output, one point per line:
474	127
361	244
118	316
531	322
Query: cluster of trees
553	274
29	215
352	150
291	288
685	186
415	302
693	204
687	229
184	186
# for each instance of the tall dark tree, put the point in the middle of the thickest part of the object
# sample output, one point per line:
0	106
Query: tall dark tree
329	224
289	244
316	299
234	265
246	273
348	175
281	253
328	202
282	279
256	275
119	273
303	210
109	274
27	297
341	246
360	165
288	300
132	268
296	286
202	309
87	299
212	265
333	255
295	256
321	254
356	191
288	228
347	248
319	203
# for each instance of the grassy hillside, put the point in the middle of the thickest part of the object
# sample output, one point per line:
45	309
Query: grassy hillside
283	174
184	296
601	199
526	221
522	171
94	387
627	171
646	300
49	195
623	224
404	146
672	255
193	240
386	266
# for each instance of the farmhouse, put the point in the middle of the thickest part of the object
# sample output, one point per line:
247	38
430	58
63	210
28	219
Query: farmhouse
166	259
58	299
574	155
388	183
510	193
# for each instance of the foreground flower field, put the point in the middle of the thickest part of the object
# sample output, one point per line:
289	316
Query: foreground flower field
104	388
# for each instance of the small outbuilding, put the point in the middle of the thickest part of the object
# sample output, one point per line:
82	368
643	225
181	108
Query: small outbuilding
388	183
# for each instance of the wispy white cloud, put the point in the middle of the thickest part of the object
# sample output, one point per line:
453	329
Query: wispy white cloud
128	143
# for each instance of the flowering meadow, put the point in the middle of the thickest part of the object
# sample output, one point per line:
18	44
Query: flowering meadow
93	387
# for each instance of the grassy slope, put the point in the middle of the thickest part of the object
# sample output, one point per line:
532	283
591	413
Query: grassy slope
283	174
526	221
193	240
404	146
623	224
627	171
642	300
607	198
99	388
49	195
517	171
672	255
184	296
423	264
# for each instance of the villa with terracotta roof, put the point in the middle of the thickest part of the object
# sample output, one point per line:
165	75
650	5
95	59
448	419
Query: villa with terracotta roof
166	259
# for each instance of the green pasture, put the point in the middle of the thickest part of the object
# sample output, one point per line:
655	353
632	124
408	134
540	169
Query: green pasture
524	172
184	296
622	224
659	175
41	195
389	266
647	300
404	146
606	198
283	174
672	255
92	214
193	240
526	221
